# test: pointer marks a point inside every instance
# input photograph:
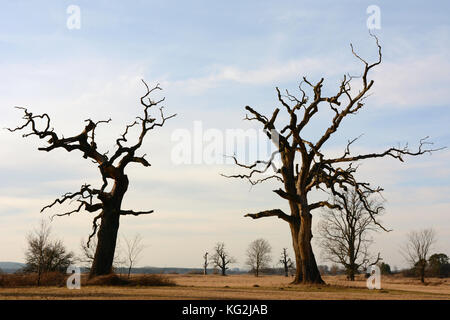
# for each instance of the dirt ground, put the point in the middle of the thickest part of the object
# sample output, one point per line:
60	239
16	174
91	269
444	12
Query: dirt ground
247	287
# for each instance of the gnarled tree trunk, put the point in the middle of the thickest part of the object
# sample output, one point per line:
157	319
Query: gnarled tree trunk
106	244
295	230
310	271
109	227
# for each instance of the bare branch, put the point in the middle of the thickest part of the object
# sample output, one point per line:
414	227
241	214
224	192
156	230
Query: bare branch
134	213
270	213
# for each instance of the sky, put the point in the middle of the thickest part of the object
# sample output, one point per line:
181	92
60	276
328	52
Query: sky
212	59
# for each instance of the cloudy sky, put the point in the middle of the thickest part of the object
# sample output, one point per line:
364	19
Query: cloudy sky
212	59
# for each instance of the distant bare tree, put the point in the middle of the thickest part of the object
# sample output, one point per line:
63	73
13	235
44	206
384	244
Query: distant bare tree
286	262
44	254
221	258
133	249
334	270
205	263
344	233
258	255
416	249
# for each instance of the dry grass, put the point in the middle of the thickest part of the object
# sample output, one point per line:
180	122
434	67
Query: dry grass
31	279
57	279
243	287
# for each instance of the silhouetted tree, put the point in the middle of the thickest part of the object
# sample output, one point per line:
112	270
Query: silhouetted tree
221	258
205	263
286	262
258	255
385	268
304	165
438	265
417	248
107	204
44	254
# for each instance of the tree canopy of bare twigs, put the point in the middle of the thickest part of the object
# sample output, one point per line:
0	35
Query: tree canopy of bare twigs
44	254
133	250
417	248
221	258
304	165
258	255
107	205
344	234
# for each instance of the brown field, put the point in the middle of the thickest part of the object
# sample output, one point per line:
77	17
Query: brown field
245	287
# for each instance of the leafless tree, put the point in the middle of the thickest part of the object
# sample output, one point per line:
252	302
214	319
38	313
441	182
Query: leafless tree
258	255
304	165
286	262
205	263
221	258
44	254
416	249
133	250
344	233
107	204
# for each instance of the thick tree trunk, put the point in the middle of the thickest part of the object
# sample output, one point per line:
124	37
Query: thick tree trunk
109	227
106	244
295	229
422	274
310	271
351	274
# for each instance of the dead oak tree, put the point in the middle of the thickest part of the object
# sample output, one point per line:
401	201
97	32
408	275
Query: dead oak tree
286	262
221	258
304	166
107	204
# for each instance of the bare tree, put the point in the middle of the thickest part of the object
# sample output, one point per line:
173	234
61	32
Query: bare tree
205	263
258	255
416	249
44	254
107	204
344	233
304	165
286	262
221	258
133	249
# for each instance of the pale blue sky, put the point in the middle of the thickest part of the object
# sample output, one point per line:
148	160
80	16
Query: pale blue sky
212	59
